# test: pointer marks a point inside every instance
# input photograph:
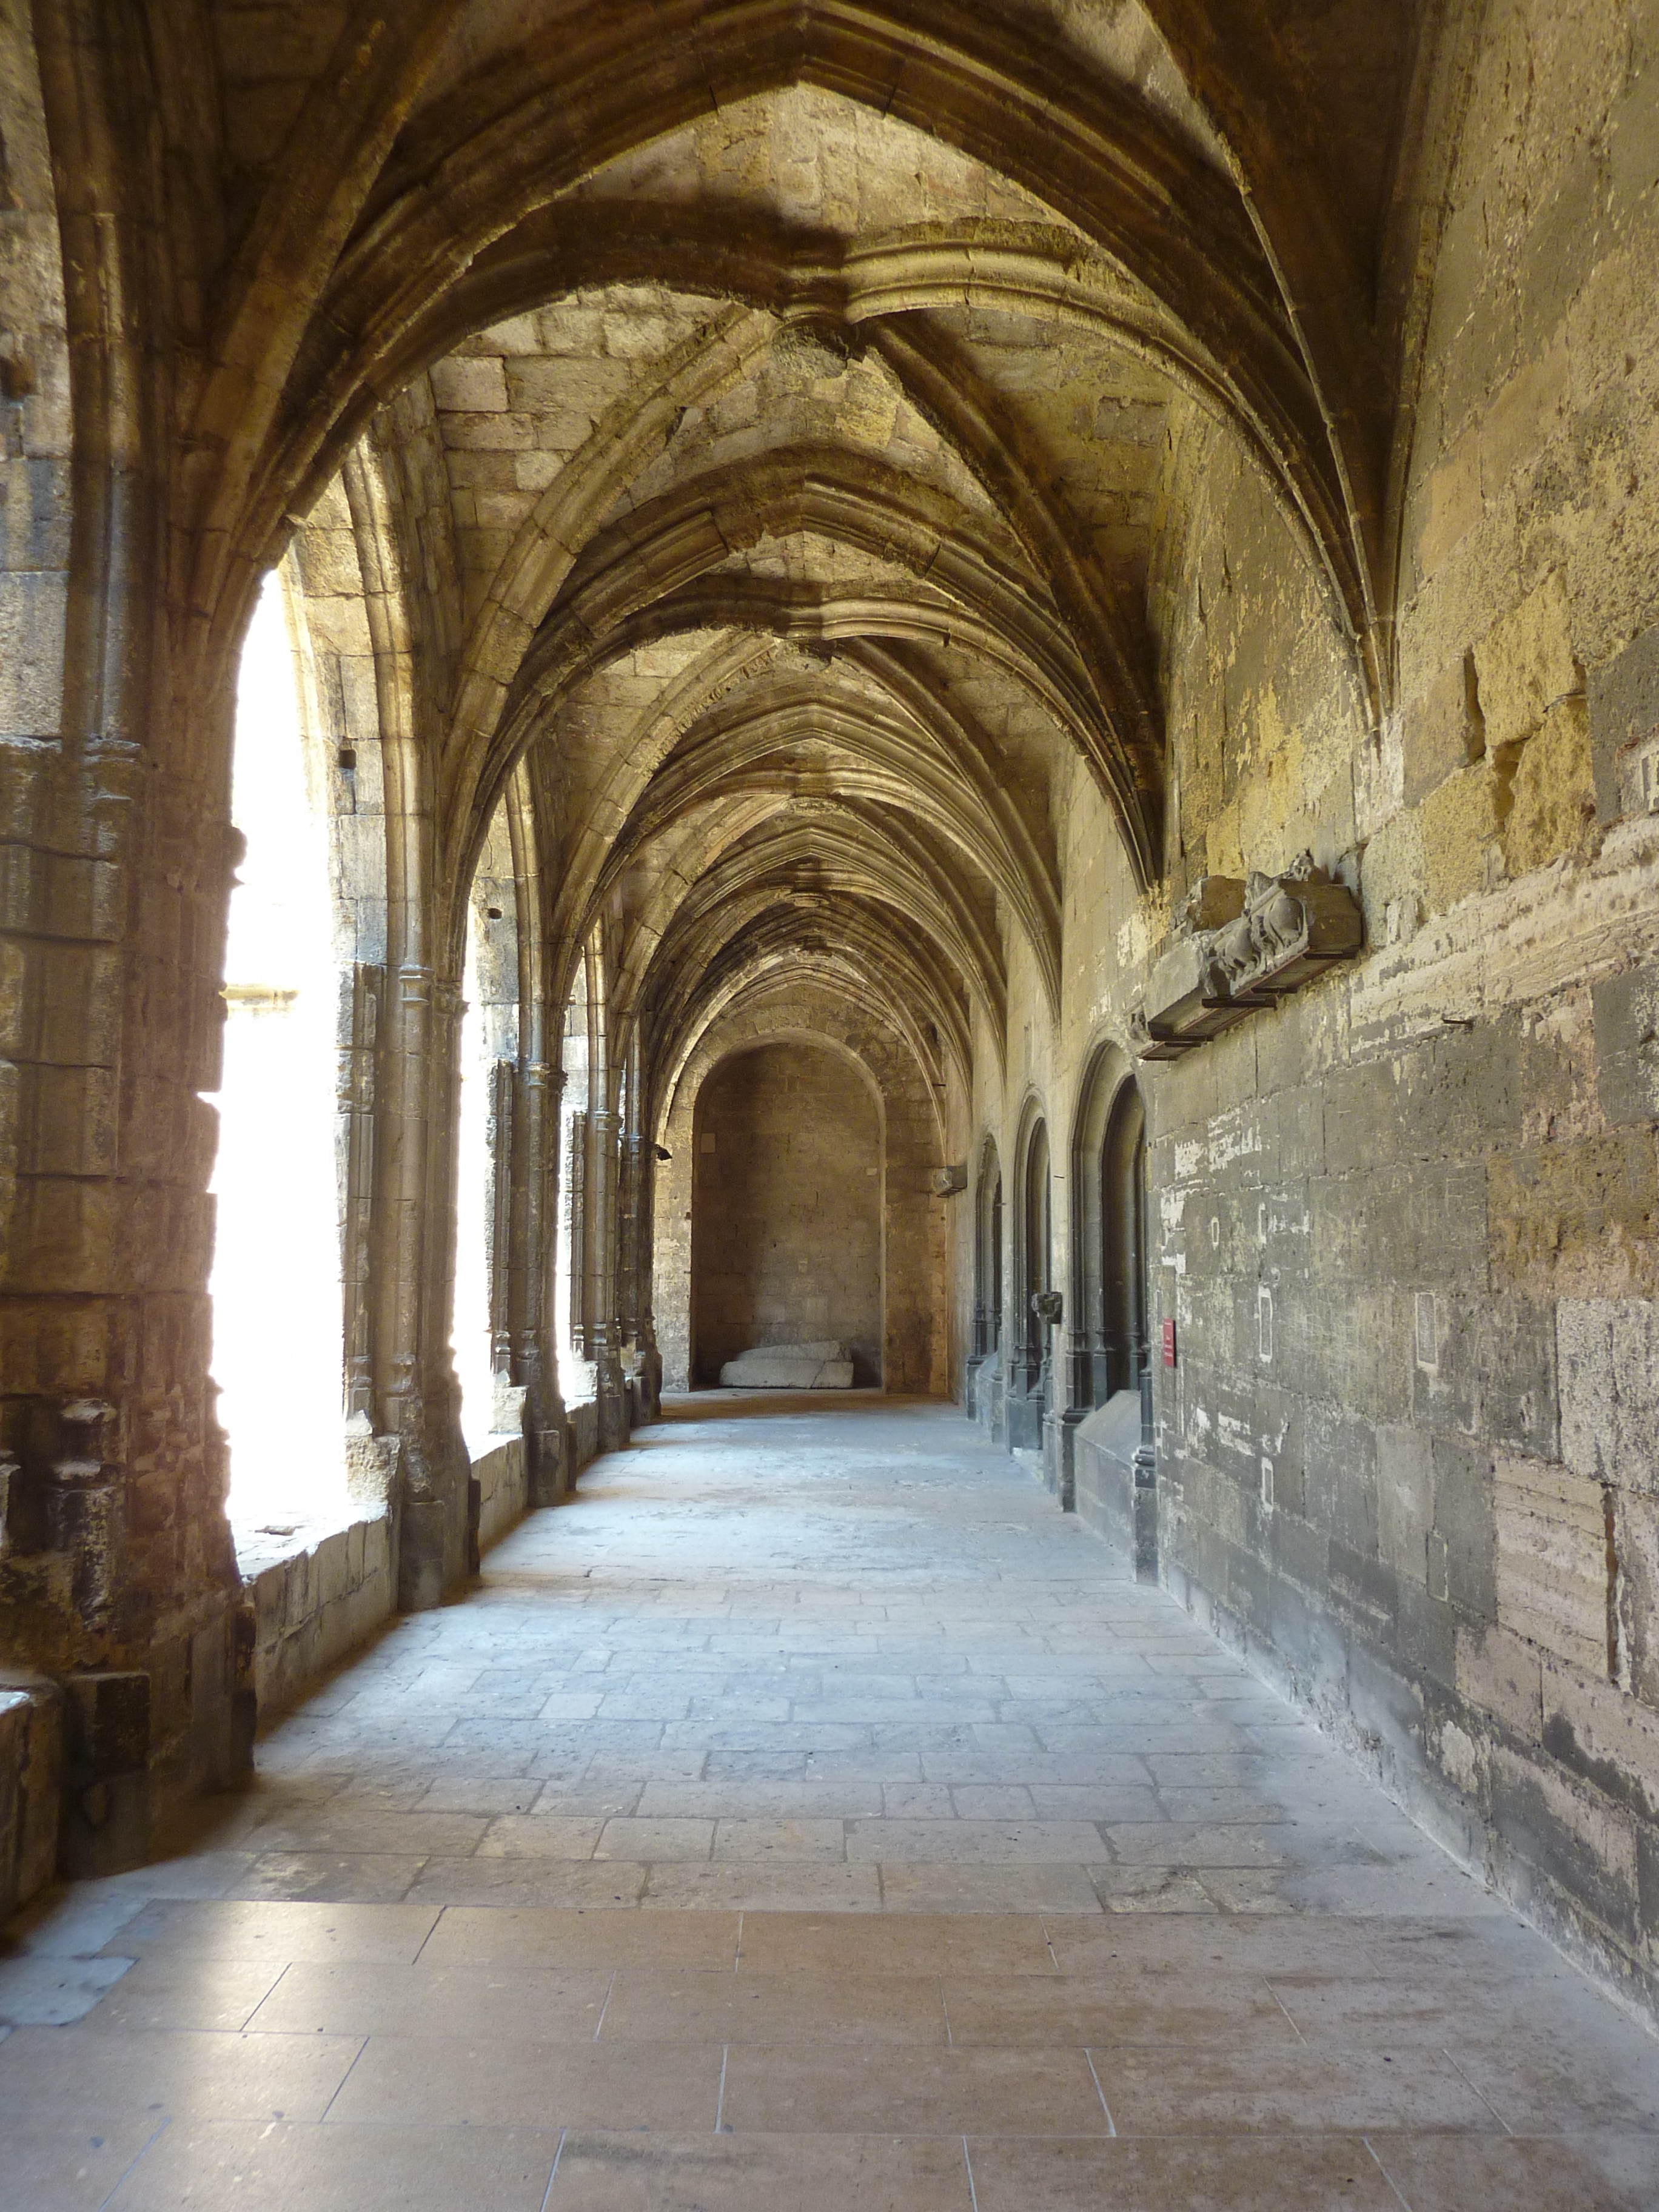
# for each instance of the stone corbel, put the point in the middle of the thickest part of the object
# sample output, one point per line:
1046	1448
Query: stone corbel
1239	946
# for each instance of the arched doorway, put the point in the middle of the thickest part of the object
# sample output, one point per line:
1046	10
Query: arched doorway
1028	1380
480	1333
570	1240
1109	1473
1108	1340
1123	1186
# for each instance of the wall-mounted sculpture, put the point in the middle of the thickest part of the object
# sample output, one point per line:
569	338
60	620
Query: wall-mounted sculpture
1241	945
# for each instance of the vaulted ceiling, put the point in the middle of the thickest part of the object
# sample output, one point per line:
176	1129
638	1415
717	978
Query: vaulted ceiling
783	401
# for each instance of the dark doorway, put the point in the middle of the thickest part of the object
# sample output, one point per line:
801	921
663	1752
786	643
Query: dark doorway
1110	1182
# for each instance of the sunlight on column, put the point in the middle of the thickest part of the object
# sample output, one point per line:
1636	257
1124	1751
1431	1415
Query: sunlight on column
469	1336
276	1280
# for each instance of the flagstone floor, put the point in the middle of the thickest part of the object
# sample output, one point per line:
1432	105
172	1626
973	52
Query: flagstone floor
807	1814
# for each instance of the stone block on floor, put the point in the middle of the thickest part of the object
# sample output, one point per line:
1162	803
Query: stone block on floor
823	1366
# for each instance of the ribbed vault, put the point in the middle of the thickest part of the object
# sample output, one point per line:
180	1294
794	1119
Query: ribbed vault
767	430
780	419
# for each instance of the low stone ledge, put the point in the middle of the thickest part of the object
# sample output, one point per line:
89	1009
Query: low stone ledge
315	1603
31	1784
582	1420
1105	1462
319	1591
502	1471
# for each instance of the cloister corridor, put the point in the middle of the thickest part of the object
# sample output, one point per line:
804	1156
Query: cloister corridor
804	1815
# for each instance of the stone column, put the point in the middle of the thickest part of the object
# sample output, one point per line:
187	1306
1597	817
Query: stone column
1145	1485
116	1560
449	1461
650	1353
628	1169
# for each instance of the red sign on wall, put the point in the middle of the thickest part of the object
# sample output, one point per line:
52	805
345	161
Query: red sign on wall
1169	1344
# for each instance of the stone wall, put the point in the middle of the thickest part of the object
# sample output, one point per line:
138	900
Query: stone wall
786	1208
1405	1225
1410	1433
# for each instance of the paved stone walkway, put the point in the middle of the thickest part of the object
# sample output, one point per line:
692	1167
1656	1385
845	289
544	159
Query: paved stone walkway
967	1874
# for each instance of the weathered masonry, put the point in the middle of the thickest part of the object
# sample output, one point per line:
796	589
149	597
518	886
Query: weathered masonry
980	681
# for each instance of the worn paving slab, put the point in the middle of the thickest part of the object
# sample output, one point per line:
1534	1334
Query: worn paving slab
807	1814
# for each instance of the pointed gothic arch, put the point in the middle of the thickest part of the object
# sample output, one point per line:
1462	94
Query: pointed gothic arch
1108	1326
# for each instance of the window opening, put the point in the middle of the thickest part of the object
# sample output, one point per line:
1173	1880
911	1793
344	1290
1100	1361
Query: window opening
274	1284
569	1260
470	1333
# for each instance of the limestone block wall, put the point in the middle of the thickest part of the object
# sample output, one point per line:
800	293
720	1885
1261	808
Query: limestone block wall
786	1208
34	417
1405	1226
1413	1219
582	1418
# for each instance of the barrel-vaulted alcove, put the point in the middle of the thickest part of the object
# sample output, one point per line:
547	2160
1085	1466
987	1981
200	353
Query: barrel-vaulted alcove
786	1208
826	1137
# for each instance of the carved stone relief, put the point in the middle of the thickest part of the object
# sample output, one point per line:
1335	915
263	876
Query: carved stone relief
1241	945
